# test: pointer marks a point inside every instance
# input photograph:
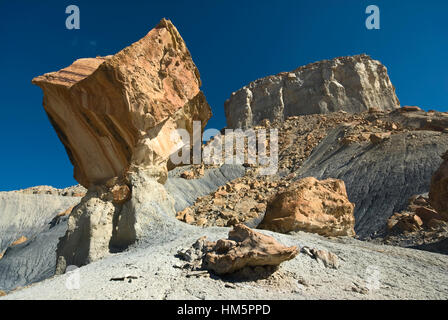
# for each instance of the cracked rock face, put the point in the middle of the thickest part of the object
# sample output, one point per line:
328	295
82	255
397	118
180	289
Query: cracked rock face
353	84
313	206
116	113
245	248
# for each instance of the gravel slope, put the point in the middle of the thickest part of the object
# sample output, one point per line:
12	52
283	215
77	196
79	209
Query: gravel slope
29	215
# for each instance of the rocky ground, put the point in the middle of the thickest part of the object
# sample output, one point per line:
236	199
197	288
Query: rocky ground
155	271
367	134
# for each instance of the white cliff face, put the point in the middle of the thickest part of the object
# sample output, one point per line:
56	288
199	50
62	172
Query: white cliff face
353	84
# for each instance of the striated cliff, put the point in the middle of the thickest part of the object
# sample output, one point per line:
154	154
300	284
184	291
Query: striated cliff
353	84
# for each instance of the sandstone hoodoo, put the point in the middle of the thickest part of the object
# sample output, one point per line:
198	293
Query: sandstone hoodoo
118	117
353	84
116	113
313	206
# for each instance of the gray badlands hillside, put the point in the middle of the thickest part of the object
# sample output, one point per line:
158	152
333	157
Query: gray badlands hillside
31	219
38	218
124	232
380	178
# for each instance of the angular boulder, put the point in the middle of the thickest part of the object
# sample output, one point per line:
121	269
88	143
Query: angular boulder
311	205
116	113
245	248
353	84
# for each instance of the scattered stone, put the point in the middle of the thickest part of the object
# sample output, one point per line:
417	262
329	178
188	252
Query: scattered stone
2	293
129	278
21	240
359	289
246	248
427	214
329	259
377	138
419	226
436	224
303	282
410	109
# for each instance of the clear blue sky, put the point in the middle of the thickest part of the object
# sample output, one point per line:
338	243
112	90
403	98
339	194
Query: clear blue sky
232	43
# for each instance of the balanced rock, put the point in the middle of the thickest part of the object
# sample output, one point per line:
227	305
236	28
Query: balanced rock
118	117
353	84
246	248
313	206
117	113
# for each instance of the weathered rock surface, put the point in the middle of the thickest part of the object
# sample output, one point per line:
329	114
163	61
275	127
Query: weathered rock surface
246	248
314	206
99	226
116	113
438	193
352	84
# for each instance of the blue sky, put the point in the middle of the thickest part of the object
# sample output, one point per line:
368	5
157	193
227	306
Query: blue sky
232	43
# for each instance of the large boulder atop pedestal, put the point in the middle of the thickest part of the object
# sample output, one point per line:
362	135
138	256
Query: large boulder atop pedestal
116	113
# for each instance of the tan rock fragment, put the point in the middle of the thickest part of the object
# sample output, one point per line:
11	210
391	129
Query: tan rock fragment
246	248
21	240
377	138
